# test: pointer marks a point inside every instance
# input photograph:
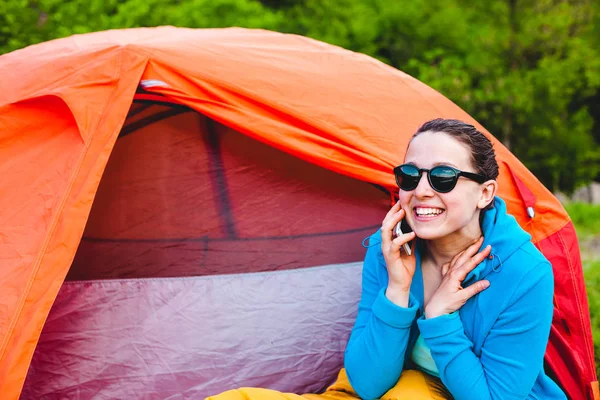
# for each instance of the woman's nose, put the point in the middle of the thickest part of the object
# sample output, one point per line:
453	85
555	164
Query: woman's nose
423	189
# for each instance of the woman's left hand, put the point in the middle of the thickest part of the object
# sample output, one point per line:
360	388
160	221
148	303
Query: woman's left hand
450	295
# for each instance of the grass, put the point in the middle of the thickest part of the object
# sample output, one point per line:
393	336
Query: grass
586	219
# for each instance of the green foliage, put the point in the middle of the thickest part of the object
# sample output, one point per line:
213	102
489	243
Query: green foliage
196	14
349	24
20	25
592	283
586	218
528	70
25	22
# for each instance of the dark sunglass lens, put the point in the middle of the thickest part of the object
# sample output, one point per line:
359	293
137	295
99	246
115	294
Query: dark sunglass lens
407	177
443	179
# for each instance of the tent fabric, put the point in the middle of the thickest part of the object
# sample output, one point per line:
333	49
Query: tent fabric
176	196
64	104
97	332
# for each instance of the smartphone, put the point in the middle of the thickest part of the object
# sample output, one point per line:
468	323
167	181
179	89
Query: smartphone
400	228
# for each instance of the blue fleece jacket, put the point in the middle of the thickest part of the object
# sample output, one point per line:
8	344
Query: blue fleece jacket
492	348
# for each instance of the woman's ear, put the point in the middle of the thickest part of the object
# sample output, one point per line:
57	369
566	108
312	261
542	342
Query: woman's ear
489	189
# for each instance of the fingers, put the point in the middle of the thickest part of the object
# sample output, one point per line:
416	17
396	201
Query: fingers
394	216
445	268
452	262
400	240
395	208
475	288
466	254
461	272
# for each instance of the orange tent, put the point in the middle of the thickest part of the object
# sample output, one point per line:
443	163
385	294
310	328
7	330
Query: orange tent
64	103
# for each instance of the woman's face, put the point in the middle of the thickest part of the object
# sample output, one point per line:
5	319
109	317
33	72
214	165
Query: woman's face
434	215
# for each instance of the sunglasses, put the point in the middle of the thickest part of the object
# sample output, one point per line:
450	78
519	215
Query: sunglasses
442	178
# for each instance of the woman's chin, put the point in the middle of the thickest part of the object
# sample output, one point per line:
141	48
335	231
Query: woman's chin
428	233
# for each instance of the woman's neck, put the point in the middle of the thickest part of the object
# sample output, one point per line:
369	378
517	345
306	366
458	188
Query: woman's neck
441	251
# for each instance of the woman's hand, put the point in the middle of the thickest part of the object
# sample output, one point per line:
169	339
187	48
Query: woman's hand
450	295
400	266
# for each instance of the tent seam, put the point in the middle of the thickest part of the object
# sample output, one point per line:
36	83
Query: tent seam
41	254
117	75
552	232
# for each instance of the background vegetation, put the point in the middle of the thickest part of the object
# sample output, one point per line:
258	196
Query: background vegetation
528	70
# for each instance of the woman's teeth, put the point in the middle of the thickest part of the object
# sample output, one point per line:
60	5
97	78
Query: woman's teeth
428	211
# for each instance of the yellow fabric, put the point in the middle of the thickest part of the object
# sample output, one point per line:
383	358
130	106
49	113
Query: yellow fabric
413	385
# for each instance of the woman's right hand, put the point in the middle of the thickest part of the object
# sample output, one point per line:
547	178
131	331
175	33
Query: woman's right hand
400	266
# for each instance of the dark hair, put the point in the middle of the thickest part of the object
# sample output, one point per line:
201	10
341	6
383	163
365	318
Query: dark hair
482	152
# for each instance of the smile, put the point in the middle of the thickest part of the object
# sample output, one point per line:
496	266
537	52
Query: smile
427	212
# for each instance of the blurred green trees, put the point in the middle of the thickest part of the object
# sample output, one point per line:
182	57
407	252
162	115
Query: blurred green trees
528	70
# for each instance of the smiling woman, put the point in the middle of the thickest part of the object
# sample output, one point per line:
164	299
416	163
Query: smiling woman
472	309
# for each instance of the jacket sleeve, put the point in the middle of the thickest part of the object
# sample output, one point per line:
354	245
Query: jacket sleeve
375	352
513	353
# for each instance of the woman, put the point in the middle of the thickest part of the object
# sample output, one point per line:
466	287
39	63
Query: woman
468	315
479	321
